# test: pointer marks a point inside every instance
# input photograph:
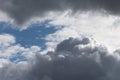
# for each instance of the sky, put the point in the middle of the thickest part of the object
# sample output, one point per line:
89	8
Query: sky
59	40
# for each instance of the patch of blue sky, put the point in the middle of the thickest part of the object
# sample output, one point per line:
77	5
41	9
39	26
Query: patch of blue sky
17	58
34	35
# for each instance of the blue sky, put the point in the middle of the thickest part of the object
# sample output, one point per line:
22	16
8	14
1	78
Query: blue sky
34	35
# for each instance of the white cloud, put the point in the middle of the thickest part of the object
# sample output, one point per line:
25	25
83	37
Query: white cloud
9	49
6	40
4	17
104	28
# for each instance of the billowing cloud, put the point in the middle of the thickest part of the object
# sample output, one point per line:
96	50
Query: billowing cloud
22	10
101	27
77	59
10	50
73	59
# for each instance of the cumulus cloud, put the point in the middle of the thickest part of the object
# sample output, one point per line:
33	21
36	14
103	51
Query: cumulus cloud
22	10
10	49
97	25
6	40
77	59
73	59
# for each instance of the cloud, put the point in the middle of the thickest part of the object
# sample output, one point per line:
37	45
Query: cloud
97	25
23	10
77	59
6	40
73	59
9	49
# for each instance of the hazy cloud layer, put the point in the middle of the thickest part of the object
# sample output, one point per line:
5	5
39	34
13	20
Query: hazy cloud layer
81	59
22	10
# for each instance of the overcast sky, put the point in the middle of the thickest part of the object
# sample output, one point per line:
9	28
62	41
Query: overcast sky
59	39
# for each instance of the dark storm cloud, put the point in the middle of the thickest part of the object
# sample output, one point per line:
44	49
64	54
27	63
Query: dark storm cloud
70	63
22	10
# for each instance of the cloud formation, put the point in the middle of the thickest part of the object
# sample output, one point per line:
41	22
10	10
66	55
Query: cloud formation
23	10
80	59
77	59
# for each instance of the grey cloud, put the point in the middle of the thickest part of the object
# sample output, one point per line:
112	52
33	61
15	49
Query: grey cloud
68	63
67	45
22	10
13	72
